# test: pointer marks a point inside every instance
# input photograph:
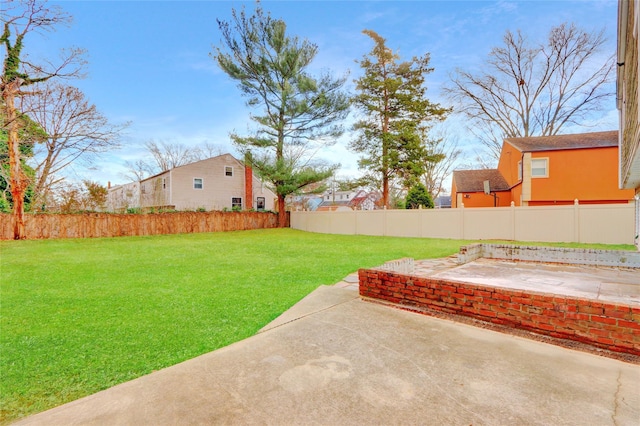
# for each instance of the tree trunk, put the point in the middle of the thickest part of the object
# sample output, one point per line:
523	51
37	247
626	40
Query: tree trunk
282	214
17	178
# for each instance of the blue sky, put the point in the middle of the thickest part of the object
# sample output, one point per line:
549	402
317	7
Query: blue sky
149	61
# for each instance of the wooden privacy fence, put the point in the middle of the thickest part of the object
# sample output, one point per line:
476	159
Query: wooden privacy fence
596	223
95	225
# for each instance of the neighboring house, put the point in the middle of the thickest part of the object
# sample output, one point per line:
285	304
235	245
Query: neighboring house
628	93
442	202
303	202
122	197
347	200
628	89
217	183
546	170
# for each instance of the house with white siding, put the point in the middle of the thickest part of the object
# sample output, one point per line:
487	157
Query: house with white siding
218	183
628	93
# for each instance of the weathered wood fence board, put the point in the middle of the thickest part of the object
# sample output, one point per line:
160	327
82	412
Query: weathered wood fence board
96	225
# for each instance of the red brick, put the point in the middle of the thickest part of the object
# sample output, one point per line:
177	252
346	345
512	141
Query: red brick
614	313
629	324
621	336
605	340
514	306
616	306
486	313
491	302
463	290
516	313
558	322
590	309
542	304
499	296
561	335
599	332
603	320
506	316
482	293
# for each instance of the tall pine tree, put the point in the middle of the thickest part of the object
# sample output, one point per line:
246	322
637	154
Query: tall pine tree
300	112
395	113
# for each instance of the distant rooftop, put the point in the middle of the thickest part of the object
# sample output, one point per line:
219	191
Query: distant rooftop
558	142
473	180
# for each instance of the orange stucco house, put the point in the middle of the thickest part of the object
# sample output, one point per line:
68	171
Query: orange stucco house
546	170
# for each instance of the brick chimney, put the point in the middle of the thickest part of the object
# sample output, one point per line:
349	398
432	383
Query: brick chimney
248	181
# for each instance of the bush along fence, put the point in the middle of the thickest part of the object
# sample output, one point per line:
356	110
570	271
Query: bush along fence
96	225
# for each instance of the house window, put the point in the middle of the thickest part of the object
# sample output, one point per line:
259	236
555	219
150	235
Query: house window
519	170
197	183
236	203
260	203
228	171
540	167
164	183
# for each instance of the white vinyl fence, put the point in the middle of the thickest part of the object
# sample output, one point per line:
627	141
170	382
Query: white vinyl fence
596	223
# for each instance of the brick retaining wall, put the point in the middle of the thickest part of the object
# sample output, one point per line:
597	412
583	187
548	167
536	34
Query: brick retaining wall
611	326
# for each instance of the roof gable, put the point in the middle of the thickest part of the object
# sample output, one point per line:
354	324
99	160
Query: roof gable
560	142
227	157
473	180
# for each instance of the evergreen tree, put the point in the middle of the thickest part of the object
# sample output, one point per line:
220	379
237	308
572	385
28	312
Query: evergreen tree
419	196
395	116
300	113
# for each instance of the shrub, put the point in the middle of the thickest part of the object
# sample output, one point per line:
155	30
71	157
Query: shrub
419	196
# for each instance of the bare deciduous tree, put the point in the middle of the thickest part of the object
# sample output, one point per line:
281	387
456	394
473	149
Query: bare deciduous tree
162	156
75	130
20	19
534	90
444	153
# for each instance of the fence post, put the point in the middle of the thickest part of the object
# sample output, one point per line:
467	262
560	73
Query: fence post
513	220
355	221
384	221
462	236
576	221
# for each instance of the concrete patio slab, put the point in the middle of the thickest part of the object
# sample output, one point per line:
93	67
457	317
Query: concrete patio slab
597	283
341	360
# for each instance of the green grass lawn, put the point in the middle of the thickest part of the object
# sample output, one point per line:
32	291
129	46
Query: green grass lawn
79	316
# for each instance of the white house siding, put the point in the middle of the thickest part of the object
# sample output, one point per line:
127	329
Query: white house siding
154	191
217	189
260	190
122	197
174	188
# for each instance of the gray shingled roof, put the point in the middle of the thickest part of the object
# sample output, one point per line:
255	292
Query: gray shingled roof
473	180
575	141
